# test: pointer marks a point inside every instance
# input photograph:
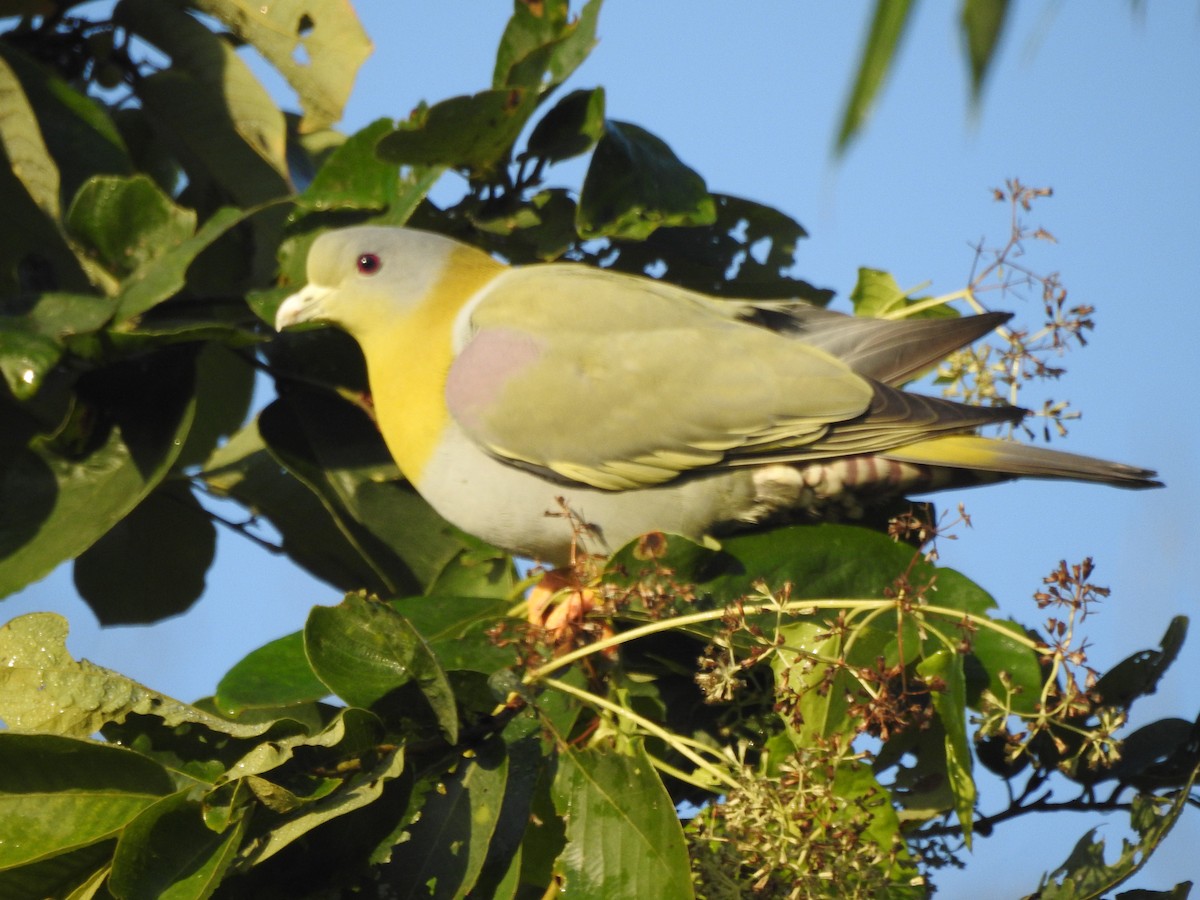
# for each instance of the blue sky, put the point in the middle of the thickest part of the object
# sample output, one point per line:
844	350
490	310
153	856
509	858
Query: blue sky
1095	100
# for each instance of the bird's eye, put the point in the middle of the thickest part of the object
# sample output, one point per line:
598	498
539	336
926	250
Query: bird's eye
369	264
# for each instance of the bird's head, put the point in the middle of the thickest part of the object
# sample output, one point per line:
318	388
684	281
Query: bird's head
361	276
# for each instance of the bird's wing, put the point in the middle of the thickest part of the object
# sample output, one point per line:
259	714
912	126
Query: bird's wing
889	350
619	382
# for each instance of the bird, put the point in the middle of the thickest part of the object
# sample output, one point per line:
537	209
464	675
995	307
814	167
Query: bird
553	406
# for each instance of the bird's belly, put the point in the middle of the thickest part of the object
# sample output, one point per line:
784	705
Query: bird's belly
522	512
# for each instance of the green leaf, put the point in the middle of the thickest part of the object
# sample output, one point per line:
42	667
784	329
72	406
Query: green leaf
57	794
1086	874
42	689
26	358
167	853
354	735
445	850
756	241
127	222
168	541
60	875
354	177
473	132
887	25
876	293
79	134
337	452
210	104
364	650
245	471
636	184
317	45
276	674
225	382
623	836
23	146
950	703
570	128
541	47
982	25
56	502
805	668
165	275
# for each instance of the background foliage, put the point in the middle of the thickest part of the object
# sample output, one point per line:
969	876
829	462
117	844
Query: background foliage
161	206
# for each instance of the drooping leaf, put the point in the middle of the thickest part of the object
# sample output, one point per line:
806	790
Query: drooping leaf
1138	675
58	793
949	698
317	45
58	501
151	565
623	836
445	849
78	132
168	852
22	144
570	128
982	24
336	450
635	184
883	37
364	650
209	105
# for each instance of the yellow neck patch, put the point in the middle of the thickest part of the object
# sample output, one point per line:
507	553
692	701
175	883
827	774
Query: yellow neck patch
409	358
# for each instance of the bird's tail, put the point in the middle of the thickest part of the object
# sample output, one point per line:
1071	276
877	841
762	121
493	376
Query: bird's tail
1010	459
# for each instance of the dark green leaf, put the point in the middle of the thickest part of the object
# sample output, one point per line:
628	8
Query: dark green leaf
982	24
26	358
150	565
636	184
363	650
755	241
623	836
127	222
58	500
337	451
58	793
244	470
165	275
78	132
1085	873
168	853
570	128
887	25
276	674
1139	674
446	849
58	876
471	132
541	47
354	177
224	389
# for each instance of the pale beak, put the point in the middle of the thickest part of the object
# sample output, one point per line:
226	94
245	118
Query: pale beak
302	306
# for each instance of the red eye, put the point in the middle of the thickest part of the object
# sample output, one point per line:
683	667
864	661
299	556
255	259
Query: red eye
369	264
